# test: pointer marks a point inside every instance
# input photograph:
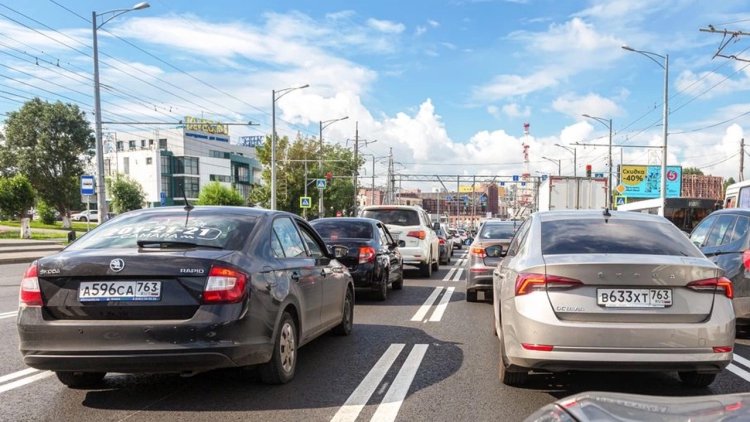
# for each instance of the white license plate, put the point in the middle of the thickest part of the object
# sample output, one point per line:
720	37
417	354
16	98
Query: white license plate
102	291
634	298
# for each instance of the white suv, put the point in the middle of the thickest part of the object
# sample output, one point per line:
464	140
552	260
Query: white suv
412	228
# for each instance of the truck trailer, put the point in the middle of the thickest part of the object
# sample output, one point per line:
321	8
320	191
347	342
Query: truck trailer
573	193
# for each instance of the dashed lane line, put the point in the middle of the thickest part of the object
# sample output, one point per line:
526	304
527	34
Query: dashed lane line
459	273
450	274
24	377
12	314
422	311
440	308
389	407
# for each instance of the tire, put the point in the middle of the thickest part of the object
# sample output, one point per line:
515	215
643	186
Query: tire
436	265
471	295
347	320
508	377
696	379
382	292
426	268
80	379
84	219
280	369
399	283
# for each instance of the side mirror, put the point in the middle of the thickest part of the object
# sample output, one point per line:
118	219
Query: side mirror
393	245
338	251
436	226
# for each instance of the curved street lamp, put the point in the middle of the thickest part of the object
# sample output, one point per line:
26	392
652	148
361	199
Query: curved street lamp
275	96
608	124
556	161
324	124
571	150
101	198
665	66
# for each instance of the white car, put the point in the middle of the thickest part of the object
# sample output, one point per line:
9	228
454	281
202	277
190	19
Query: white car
412	229
89	215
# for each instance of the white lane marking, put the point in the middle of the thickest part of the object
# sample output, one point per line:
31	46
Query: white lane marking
739	372
358	399
422	311
742	361
460	263
23	381
440	309
388	409
459	274
19	374
450	274
8	314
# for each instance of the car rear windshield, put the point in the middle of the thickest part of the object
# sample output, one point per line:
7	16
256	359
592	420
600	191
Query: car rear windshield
497	231
619	236
395	216
343	229
201	227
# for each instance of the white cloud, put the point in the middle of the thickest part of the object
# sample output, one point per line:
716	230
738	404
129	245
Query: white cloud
710	84
419	30
593	104
504	86
513	110
433	23
448	45
386	26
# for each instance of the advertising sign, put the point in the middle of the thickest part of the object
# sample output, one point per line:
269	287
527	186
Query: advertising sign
466	188
204	125
251	141
645	181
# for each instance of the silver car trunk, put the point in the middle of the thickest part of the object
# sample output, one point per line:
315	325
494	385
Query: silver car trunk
630	288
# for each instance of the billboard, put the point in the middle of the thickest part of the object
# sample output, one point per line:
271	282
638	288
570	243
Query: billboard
205	129
645	181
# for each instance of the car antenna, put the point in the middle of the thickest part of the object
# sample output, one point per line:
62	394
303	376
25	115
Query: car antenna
187	206
606	215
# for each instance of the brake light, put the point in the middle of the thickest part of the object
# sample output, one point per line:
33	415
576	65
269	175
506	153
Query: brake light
419	234
529	282
30	294
224	285
746	259
478	252
723	349
366	254
712	284
538	347
441	241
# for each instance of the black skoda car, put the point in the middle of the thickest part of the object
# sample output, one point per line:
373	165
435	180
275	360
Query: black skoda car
183	290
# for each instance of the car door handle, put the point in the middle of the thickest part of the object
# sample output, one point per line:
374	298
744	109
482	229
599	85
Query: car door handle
497	274
295	276
323	272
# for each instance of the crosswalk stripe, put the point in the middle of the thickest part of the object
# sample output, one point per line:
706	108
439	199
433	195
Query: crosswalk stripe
739	372
389	407
23	381
440	309
19	374
459	274
742	361
358	399
8	314
422	311
450	274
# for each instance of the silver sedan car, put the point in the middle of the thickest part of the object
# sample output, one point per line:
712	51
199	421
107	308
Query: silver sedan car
484	255
610	291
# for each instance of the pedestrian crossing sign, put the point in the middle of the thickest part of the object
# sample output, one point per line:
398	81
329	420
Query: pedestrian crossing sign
321	183
620	200
305	202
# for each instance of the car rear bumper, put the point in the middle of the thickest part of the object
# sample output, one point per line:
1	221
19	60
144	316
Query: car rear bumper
414	256
479	278
364	277
587	345
224	338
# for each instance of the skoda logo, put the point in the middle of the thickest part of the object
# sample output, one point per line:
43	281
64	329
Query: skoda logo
116	265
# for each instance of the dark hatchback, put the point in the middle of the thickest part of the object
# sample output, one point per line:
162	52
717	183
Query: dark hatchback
372	258
724	237
183	290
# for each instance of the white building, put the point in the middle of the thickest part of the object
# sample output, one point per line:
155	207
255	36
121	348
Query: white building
170	164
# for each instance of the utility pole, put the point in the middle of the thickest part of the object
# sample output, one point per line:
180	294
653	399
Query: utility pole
372	192
742	160
356	166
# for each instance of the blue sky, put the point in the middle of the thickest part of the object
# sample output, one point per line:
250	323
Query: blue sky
446	84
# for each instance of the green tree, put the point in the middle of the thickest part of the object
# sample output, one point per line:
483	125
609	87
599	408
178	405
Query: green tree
45	212
290	174
215	193
16	197
728	181
692	170
49	143
126	194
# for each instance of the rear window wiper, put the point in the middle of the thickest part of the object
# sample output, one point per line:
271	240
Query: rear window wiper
164	244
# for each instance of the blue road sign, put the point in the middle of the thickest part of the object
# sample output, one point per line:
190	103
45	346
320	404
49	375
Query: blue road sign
620	200
523	183
515	178
320	183
598	174
449	198
544	177
87	185
305	202
163	198
502	183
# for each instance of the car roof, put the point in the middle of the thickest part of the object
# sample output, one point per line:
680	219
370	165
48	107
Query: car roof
742	211
588	214
392	207
225	209
355	219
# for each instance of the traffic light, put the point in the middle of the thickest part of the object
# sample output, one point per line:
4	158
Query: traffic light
588	170
329	176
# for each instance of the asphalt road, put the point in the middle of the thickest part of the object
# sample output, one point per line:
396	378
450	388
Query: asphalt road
424	354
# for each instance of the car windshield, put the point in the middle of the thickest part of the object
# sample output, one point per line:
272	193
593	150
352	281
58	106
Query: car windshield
339	229
395	216
613	235
203	228
497	231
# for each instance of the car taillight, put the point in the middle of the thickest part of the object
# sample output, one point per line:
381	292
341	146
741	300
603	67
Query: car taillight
529	282
711	284
478	252
538	347
722	349
366	254
441	241
30	294
419	234
746	259
224	285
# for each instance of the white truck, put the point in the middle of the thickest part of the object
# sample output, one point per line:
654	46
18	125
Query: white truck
573	193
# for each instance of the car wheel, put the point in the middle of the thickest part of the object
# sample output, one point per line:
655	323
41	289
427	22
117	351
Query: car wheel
508	377
382	292
84	219
426	268
436	265
399	283
347	320
80	379
471	295
280	369
696	379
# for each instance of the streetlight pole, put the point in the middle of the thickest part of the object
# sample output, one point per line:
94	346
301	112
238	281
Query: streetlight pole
101	193
275	98
573	151
556	161
608	124
324	124
665	117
